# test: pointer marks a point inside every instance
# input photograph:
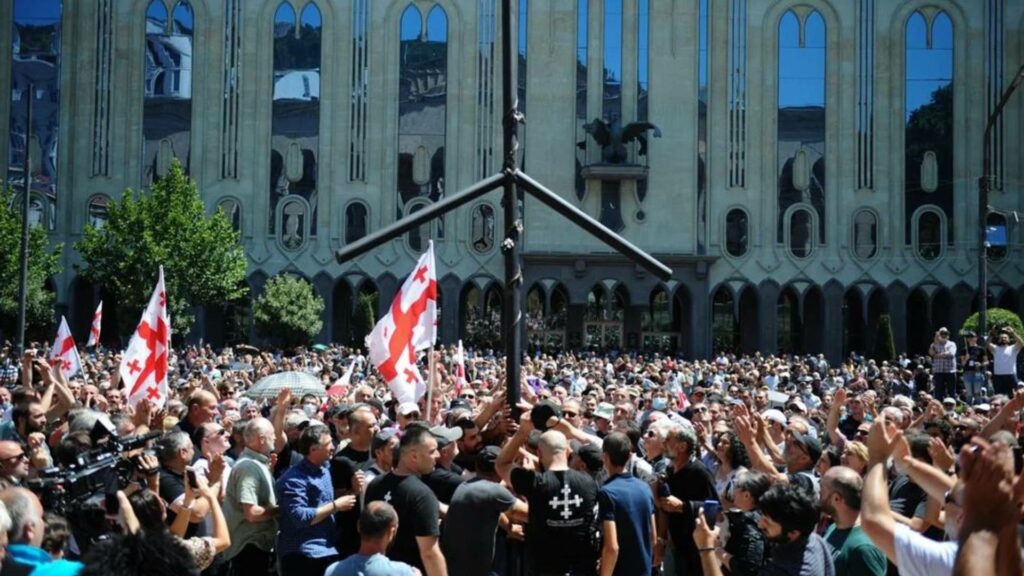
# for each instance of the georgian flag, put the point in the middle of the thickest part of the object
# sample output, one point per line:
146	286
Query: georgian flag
409	326
64	352
460	369
340	386
144	365
94	332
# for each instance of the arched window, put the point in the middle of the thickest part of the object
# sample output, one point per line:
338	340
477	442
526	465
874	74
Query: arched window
736	232
422	105
865	234
597	305
725	332
418	236
482	224
929	235
35	59
233	211
928	109
355	222
997	236
660	329
801	236
295	109
98	211
167	102
801	115
789	324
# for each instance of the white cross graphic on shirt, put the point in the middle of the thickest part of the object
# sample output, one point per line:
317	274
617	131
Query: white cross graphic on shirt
576	501
387	497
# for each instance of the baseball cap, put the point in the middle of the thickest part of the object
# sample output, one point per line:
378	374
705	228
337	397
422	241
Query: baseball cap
774	415
809	443
446	435
459	403
406	408
543	412
381	439
486	458
605	411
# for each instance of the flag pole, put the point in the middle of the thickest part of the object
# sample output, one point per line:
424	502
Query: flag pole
430	384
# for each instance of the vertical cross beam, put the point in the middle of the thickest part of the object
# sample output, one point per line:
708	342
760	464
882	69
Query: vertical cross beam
511	309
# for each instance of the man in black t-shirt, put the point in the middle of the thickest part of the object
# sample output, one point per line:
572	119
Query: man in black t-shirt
347	479
417	541
689	485
176	452
561	531
444	478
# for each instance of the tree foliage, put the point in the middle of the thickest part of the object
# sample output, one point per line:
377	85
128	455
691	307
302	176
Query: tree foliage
202	258
288	311
42	264
995	320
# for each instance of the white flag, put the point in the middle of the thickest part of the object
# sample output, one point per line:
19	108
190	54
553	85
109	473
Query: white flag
144	365
460	369
64	352
409	326
94	332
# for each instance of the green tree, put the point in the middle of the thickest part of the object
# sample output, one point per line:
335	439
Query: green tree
42	264
885	347
364	318
995	319
202	259
288	311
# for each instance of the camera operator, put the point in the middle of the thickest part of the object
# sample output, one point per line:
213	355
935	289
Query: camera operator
14	466
25	536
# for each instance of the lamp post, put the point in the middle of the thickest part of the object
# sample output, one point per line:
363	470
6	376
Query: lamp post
983	187
25	199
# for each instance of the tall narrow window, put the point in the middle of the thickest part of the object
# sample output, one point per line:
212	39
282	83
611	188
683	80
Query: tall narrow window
167	106
36	59
422	106
355	222
801	116
702	125
643	40
522	46
737	93
736	232
725	326
928	176
103	81
865	120
98	211
801	237
929	235
482	233
230	120
582	28
485	92
233	212
994	71
360	89
611	108
997	235
295	121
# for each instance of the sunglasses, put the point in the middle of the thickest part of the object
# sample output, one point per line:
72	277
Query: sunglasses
467	396
569	414
16	457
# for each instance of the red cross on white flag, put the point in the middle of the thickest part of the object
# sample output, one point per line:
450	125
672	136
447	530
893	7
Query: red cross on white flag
409	326
144	364
94	331
64	353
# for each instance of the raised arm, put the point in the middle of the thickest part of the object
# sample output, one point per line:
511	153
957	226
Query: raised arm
876	516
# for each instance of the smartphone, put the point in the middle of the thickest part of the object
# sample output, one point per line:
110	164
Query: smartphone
191	477
111	504
711	510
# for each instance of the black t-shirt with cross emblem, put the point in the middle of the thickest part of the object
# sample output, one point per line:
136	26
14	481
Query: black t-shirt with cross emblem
561	533
417	509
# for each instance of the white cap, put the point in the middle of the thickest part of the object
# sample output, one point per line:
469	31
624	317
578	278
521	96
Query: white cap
406	408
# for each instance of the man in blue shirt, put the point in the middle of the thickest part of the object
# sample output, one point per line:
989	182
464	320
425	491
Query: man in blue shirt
307	504
626	511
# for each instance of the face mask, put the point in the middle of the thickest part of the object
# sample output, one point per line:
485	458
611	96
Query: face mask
309	409
659	403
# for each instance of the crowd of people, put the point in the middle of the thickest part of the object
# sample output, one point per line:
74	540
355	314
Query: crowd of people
610	463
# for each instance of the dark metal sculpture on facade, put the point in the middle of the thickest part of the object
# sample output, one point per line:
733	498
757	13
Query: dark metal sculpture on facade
613	138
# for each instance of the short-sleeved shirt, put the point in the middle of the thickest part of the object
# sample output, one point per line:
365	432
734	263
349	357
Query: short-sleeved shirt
907	498
343	468
693	484
916	555
561	532
172	491
854	554
443	482
362	565
417	508
1004	360
250	482
945	365
628	502
471	525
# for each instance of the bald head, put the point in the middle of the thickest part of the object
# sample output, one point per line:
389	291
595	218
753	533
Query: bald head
552	445
202	407
259	435
845	482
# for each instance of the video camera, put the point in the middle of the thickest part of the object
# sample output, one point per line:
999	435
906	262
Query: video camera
81	490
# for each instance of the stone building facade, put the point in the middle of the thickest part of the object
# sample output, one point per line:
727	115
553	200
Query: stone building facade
814	167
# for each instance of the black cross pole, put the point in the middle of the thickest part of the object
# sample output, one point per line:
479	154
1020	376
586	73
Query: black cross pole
513	182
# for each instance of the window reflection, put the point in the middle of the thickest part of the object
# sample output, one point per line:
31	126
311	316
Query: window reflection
482	233
800	235
167	103
865	234
355	222
702	123
929	115
997	235
929	235
582	27
612	95
422	106
98	211
295	111
736	232
801	116
36	59
233	211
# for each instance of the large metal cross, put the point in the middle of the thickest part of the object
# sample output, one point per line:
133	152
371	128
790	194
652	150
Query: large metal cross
513	181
